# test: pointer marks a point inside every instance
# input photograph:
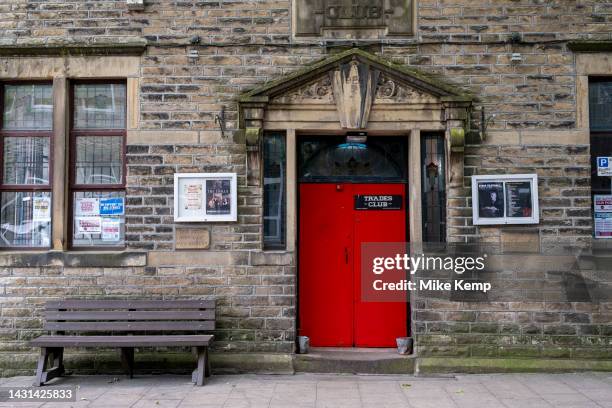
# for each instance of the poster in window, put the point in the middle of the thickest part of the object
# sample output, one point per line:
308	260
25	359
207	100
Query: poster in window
41	209
205	197
88	225
218	197
112	206
490	199
602	204
518	199
87	206
111	229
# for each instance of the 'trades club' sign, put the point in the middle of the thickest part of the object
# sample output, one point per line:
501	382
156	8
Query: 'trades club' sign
313	16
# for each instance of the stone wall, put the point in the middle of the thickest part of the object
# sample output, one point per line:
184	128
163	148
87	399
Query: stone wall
564	180
242	44
543	306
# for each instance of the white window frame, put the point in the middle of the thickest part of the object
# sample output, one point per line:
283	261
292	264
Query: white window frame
505	220
201	216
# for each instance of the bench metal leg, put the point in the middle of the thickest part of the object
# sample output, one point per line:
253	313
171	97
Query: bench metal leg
43	372
42	366
207	373
199	374
58	360
127	360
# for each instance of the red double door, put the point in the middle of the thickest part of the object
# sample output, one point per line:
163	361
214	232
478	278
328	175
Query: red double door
331	231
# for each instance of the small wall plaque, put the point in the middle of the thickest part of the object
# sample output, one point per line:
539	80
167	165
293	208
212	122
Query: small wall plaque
192	238
314	17
205	197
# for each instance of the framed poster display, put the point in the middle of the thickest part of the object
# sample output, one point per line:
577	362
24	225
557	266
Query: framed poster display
205	197
505	199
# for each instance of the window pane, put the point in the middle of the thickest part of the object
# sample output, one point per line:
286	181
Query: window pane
274	191
99	106
99	218
28	107
25	219
600	105
26	160
99	159
336	159
433	187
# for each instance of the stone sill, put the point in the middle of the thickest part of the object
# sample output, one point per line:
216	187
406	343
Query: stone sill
83	259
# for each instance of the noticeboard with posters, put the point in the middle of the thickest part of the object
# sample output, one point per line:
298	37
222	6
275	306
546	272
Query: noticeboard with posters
505	199
602	207
205	197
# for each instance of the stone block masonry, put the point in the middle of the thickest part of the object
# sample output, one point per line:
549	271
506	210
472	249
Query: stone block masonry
534	126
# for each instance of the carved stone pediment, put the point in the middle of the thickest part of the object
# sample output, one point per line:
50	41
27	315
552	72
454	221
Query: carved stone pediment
318	91
351	81
392	91
353	88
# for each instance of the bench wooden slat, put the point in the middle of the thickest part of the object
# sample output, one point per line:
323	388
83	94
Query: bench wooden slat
130	315
126	341
131	326
129	304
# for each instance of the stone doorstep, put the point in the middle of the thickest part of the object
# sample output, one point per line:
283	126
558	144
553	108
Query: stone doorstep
354	361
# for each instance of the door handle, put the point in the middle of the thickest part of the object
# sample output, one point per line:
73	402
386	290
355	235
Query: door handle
346	255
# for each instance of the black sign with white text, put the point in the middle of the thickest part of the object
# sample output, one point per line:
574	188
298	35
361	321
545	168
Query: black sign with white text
378	202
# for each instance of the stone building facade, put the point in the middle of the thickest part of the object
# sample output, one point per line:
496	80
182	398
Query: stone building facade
503	83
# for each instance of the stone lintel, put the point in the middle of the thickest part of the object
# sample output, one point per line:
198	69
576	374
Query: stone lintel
98	46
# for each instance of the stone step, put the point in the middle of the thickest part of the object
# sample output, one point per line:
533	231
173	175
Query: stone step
354	361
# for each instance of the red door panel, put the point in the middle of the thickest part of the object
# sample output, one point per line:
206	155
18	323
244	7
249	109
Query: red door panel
331	232
378	324
326	276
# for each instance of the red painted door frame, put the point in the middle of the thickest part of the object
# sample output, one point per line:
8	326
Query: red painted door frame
331	231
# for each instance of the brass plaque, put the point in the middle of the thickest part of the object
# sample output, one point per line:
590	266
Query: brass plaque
192	238
312	16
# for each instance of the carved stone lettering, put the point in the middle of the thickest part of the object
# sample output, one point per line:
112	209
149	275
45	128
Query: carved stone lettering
192	238
312	16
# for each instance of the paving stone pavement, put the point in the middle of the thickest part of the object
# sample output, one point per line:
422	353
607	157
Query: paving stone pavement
584	390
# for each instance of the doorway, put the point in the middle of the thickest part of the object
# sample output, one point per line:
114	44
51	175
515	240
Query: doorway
349	193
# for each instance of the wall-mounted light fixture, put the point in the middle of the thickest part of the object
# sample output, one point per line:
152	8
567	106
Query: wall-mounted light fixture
484	123
135	4
356	137
516	57
220	120
432	171
193	55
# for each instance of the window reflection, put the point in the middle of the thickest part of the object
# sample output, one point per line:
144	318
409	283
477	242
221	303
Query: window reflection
26	160
99	160
274	190
333	158
25	219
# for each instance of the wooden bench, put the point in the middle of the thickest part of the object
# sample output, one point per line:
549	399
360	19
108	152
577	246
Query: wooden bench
85	319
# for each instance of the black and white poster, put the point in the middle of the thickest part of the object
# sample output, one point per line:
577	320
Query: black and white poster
490	199
518	199
218	197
